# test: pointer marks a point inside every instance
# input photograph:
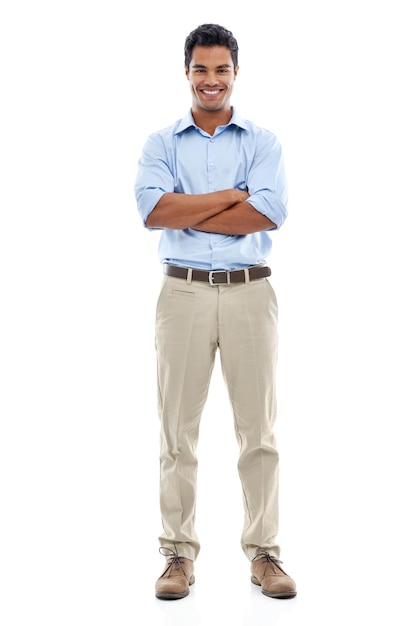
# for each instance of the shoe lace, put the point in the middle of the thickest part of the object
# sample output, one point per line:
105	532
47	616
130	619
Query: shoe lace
269	560
174	561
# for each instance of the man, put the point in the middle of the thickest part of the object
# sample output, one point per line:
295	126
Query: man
214	184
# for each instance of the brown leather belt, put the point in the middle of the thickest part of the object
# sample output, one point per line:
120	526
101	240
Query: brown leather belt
218	277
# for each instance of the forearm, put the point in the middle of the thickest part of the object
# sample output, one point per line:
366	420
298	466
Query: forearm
177	211
240	219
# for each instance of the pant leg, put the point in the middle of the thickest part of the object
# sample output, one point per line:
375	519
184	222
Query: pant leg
186	343
248	349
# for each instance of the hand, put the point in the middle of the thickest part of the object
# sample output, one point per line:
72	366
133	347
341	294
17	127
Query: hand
242	195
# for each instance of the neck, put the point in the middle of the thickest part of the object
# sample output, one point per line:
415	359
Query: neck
210	120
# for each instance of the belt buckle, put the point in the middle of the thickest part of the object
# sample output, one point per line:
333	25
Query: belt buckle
212	272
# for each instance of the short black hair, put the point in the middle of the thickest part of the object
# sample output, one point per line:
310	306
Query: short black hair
210	35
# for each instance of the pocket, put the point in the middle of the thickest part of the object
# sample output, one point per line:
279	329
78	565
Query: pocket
183	293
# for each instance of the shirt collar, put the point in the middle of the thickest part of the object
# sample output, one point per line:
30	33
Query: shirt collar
188	121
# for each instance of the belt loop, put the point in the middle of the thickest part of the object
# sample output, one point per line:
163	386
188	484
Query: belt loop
189	275
247	275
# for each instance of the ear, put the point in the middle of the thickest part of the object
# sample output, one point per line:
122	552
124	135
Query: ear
186	71
236	71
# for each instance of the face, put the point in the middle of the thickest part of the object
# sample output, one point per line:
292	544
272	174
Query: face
211	75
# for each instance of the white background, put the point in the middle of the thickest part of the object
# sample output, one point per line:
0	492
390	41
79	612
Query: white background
83	85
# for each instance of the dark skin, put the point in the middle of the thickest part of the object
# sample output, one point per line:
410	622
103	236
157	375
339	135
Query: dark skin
211	75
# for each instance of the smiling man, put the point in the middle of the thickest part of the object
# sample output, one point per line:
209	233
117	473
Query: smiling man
214	184
212	75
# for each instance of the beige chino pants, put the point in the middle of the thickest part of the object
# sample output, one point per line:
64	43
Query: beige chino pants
193	321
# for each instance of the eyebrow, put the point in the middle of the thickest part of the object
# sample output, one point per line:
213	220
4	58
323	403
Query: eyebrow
218	67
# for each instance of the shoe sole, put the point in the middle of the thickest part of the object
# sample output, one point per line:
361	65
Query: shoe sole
284	595
175	596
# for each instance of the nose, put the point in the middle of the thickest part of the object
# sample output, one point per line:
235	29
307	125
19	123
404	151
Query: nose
211	78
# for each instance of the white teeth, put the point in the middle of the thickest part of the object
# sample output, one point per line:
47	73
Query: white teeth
211	93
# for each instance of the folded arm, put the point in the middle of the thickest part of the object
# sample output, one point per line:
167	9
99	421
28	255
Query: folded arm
177	211
240	219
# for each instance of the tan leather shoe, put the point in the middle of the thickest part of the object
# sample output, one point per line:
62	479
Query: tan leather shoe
176	578
273	580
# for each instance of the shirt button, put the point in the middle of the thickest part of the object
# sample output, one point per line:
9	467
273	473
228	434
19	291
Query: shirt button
211	164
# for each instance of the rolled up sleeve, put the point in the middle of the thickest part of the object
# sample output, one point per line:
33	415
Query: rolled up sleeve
154	177
266	182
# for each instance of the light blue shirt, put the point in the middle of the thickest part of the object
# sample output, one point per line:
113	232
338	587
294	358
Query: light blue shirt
185	159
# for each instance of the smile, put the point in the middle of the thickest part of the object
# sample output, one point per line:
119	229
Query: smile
211	93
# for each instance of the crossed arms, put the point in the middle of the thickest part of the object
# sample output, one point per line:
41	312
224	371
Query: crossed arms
225	212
